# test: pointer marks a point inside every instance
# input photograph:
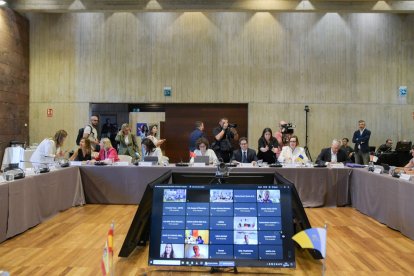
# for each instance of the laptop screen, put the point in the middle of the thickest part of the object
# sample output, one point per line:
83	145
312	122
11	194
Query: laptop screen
202	159
153	159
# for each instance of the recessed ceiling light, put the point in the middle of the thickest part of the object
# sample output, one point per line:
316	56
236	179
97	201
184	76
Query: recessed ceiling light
2	3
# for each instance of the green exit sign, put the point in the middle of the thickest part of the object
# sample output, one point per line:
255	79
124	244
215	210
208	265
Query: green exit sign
167	91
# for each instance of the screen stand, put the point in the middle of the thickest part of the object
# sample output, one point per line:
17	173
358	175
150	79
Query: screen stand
216	269
218	180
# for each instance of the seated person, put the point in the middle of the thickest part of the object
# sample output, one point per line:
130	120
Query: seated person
149	149
197	253
387	147
107	153
202	149
244	154
293	153
408	169
200	240
348	150
84	152
334	154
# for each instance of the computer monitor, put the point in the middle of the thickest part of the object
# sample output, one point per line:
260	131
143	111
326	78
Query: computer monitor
228	225
403	146
233	178
138	233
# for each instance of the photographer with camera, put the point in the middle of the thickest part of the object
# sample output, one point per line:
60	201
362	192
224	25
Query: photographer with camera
223	135
283	135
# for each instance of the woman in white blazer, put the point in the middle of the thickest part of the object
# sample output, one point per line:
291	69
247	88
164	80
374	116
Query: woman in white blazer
293	153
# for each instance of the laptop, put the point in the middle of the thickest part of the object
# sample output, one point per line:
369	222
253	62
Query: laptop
152	159
202	159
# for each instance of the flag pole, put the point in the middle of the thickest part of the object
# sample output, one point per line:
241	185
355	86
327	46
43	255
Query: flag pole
326	255
112	257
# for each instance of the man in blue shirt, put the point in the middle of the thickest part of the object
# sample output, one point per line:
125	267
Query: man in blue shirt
196	134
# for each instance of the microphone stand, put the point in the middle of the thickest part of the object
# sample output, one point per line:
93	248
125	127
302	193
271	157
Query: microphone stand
306	133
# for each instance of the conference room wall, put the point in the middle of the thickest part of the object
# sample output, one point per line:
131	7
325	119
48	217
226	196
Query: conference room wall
344	66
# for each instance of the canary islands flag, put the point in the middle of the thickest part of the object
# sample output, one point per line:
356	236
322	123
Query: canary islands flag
108	253
314	238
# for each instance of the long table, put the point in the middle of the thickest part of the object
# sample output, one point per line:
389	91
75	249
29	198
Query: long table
388	200
36	198
4	209
27	202
125	185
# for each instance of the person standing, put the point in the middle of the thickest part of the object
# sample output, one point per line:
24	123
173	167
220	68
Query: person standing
224	134
128	144
268	147
349	150
195	135
152	135
49	149
361	140
90	132
282	137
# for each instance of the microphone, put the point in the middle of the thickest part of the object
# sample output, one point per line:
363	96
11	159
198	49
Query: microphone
43	168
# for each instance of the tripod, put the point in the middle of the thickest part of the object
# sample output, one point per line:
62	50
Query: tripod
306	133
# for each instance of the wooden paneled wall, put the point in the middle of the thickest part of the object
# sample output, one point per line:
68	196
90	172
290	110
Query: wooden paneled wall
344	66
180	122
14	78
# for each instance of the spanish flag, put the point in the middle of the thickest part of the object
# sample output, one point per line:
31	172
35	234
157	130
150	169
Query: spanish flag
314	238
108	253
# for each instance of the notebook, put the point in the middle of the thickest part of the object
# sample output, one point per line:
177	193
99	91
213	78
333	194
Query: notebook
202	159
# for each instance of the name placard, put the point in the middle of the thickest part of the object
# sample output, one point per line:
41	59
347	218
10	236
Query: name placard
75	163
337	165
121	163
405	177
378	170
145	164
246	165
197	165
289	165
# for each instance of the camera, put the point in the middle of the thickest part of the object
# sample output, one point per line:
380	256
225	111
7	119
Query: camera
233	125
222	170
288	128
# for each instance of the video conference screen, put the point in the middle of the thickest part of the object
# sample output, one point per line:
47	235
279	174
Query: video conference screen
224	225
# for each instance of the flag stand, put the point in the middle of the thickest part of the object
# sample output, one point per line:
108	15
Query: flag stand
324	259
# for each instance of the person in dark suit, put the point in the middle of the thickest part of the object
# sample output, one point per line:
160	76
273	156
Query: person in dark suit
244	154
361	140
334	154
